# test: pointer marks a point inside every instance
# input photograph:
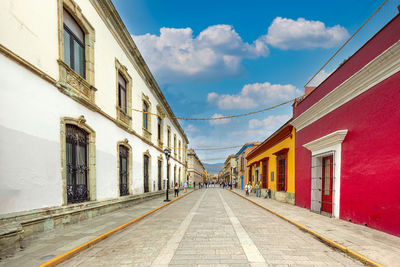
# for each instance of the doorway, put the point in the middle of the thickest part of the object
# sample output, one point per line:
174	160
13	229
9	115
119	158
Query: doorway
327	181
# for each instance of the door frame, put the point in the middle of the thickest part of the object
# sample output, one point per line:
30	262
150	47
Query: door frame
328	144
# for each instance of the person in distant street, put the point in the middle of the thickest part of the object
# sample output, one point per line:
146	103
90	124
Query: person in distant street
266	193
258	189
248	189
176	188
185	185
194	185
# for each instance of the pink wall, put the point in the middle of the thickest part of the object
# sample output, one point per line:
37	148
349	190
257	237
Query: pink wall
386	37
370	172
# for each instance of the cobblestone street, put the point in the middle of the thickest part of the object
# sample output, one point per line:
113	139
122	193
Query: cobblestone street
211	227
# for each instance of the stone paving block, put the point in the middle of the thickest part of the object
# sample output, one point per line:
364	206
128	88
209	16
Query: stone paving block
210	238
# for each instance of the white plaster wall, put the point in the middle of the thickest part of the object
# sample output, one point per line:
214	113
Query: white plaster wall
30	30
30	161
30	110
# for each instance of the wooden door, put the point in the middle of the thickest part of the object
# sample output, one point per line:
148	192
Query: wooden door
327	182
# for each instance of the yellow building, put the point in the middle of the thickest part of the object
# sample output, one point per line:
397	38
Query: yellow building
272	164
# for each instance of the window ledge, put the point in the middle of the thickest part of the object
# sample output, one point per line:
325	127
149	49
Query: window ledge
123	117
74	81
146	134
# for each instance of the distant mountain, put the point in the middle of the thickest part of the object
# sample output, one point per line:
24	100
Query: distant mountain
213	168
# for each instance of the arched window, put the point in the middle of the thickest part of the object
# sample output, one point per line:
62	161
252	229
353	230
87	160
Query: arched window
123	170
145	116
146	173
76	164
74	44
122	93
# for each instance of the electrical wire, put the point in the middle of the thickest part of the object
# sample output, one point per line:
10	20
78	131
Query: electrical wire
208	148
216	118
348	40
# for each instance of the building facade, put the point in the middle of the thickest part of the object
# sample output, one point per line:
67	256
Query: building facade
196	171
71	77
272	163
347	158
242	163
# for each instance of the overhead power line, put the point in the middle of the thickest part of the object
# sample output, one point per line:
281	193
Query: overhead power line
216	118
208	148
348	40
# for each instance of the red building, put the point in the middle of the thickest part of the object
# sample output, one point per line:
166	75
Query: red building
347	138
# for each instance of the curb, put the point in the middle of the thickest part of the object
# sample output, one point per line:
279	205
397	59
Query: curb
322	238
69	254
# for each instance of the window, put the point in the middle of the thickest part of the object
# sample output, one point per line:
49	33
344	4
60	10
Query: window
76	164
242	163
175	145
159	174
122	103
146	173
179	150
123	170
175	175
145	116
159	124
74	44
169	138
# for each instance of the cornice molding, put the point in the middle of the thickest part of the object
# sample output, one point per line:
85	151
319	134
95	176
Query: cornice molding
377	70
114	23
331	139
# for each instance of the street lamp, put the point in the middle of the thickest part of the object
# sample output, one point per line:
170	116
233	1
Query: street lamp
167	153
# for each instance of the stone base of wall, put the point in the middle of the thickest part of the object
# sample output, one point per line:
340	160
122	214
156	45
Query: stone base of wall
14	227
283	196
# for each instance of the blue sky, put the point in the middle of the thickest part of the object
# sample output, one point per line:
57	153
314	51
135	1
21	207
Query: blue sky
214	58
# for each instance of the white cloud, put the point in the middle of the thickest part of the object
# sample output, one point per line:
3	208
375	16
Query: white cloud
317	80
219	122
217	51
255	95
191	129
269	123
259	130
297	34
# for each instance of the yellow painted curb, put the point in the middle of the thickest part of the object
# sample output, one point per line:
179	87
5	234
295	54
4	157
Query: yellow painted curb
319	236
69	254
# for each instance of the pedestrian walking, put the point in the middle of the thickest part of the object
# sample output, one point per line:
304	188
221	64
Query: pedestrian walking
185	185
176	188
248	189
258	189
194	185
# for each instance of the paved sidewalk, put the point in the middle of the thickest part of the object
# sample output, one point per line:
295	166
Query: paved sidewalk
373	244
211	227
43	247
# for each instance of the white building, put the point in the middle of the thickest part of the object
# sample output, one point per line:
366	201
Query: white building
70	76
195	167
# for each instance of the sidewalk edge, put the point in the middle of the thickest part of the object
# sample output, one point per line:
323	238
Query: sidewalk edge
69	254
322	238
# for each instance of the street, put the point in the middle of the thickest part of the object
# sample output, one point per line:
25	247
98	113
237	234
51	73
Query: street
211	227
